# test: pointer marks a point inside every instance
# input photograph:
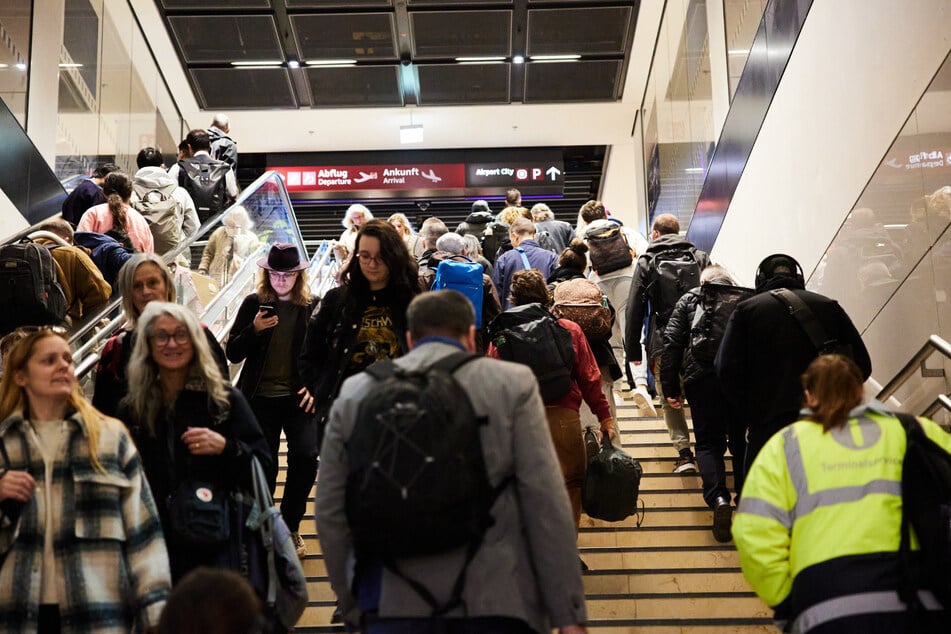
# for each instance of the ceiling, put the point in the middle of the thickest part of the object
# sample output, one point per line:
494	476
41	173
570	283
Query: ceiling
248	54
406	70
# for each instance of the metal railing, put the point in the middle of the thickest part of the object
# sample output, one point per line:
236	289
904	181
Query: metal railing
917	365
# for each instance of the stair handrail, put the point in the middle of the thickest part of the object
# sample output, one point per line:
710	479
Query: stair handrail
916	364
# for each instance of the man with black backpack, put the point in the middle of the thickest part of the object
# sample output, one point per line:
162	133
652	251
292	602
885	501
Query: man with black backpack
691	339
210	183
438	479
765	348
669	268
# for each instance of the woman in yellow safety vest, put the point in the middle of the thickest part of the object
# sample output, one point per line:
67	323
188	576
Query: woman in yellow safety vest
818	526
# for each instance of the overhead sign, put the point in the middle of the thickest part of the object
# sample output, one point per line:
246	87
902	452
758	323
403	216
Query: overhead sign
424	179
352	178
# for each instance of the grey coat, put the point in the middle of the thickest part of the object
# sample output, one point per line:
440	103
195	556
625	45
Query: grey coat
527	567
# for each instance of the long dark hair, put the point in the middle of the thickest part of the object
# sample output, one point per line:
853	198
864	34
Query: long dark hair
834	384
117	187
403	270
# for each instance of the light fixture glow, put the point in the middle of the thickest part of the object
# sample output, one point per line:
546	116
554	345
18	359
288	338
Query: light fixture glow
739	51
518	59
4	65
481	59
264	62
411	134
71	65
332	62
694	170
20	66
553	58
293	63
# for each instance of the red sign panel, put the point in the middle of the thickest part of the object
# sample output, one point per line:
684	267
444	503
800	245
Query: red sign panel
346	178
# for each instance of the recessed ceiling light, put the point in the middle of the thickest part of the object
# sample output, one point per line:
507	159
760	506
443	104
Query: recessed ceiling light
518	59
739	51
293	63
20	66
71	65
481	59
264	62
553	58
331	62
694	170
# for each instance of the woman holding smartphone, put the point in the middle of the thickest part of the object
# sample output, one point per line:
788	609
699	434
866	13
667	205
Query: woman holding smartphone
267	335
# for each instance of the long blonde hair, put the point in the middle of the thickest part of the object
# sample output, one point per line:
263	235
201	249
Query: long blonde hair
127	275
13	398
145	387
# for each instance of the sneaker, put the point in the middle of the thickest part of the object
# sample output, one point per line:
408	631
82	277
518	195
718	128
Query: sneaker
299	545
643	400
686	463
722	520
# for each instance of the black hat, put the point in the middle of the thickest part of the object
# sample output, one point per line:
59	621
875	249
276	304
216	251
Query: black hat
480	205
283	257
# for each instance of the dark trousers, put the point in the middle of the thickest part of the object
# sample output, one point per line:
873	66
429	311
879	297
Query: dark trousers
715	429
761	431
48	619
477	625
300	430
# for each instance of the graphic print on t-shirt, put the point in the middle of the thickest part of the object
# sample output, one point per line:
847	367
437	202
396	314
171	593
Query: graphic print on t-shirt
377	340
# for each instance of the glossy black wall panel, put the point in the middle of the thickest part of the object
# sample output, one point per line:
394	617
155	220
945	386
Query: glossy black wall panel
25	177
782	21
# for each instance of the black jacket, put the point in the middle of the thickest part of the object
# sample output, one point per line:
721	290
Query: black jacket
638	298
331	334
765	351
246	345
475	223
560	231
165	468
678	355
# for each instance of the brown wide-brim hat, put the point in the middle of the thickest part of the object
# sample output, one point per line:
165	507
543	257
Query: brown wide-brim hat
283	257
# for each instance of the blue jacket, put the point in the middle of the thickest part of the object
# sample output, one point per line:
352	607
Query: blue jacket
511	261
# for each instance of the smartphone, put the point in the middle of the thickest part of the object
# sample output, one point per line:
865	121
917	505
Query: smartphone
268	310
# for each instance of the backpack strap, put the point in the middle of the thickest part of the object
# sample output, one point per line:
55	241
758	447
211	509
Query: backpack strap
804	317
525	263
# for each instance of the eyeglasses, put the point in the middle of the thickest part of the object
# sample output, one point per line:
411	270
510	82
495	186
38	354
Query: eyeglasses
366	258
277	275
180	336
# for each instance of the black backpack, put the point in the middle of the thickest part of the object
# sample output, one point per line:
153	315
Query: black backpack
608	249
417	484
926	508
494	234
717	302
206	183
29	288
531	335
673	273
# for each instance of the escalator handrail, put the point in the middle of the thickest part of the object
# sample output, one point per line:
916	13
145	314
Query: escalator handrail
171	255
933	344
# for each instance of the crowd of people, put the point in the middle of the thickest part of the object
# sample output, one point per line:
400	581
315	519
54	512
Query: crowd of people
94	529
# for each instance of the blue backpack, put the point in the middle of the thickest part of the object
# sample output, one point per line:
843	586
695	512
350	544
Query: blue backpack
464	276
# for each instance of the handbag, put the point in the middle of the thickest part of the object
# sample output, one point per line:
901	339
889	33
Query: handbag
581	301
611	483
199	513
273	567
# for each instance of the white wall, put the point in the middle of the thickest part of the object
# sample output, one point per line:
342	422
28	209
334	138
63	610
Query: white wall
857	71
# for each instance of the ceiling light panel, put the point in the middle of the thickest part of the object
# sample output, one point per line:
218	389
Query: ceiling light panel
358	86
226	38
363	36
452	34
461	84
336	4
587	31
572	81
216	4
247	88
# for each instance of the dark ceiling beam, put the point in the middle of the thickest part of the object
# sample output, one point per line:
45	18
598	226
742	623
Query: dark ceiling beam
409	77
291	51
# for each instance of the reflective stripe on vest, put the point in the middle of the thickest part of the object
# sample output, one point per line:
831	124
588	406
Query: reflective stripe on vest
854	605
806	501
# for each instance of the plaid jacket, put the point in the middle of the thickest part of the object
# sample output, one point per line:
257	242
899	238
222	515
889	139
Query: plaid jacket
112	560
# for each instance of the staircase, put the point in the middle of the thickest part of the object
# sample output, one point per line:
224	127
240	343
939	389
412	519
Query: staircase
667	577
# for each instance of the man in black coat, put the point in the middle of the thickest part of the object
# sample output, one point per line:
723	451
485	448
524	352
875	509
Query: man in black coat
765	351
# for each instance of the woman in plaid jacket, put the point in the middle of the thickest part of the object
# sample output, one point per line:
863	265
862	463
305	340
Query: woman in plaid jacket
80	542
